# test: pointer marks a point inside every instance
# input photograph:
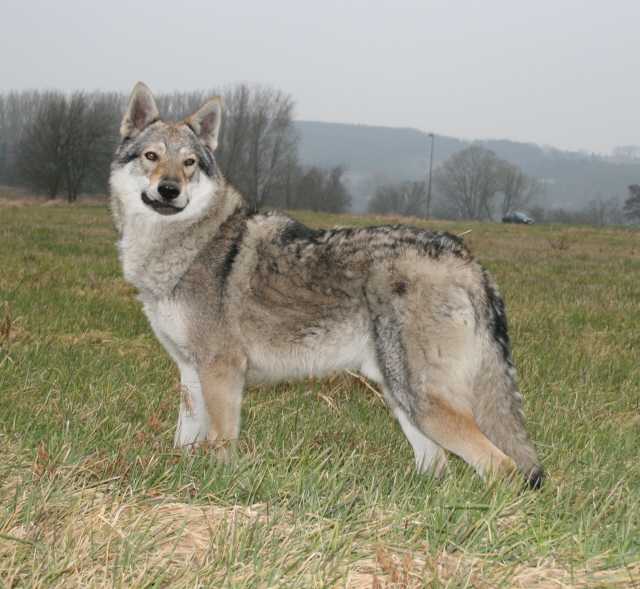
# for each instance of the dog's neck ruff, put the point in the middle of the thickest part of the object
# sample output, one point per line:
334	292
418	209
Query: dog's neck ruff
156	251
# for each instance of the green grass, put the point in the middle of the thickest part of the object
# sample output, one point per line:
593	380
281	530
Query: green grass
323	492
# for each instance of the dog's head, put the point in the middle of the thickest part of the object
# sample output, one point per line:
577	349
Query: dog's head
165	168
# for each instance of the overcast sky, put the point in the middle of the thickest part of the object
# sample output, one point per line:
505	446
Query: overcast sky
564	72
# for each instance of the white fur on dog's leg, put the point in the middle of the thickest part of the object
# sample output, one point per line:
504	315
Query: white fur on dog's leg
430	458
193	420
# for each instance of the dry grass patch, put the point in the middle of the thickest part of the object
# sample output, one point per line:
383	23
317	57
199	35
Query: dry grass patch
140	346
178	543
89	535
396	569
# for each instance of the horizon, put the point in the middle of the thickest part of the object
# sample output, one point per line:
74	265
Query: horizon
464	139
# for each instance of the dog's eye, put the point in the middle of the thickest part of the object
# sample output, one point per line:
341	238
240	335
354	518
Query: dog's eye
152	156
189	162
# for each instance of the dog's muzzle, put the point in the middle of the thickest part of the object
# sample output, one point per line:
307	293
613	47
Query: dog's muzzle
160	206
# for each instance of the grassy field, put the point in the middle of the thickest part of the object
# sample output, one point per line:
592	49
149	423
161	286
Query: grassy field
323	493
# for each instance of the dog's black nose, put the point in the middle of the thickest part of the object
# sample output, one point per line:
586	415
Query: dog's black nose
169	190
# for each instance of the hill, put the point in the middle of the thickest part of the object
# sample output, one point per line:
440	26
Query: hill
378	155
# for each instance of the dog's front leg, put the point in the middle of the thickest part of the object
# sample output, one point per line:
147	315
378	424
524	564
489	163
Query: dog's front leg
223	380
193	420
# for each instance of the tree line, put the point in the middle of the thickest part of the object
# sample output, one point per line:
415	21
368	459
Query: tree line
60	144
471	184
474	183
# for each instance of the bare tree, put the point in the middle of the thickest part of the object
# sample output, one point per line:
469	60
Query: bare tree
53	142
17	111
401	199
309	190
517	189
322	190
290	178
600	212
40	161
234	135
103	122
88	141
271	139
258	141
337	198
632	204
69	140
4	140
469	181
72	160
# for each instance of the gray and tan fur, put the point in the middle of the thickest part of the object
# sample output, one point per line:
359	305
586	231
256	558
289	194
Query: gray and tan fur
239	298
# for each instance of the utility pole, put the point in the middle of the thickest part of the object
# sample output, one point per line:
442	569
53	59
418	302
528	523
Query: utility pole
430	174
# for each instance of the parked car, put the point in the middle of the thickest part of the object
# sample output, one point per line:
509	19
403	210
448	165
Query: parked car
518	217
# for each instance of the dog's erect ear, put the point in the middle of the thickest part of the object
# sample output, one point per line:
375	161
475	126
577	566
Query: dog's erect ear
206	122
141	112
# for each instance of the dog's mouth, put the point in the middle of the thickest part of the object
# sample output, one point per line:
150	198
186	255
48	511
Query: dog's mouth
164	208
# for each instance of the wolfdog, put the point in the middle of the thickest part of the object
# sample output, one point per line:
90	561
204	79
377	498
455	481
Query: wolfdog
238	297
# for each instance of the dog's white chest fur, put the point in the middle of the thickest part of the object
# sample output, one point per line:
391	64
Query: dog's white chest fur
168	321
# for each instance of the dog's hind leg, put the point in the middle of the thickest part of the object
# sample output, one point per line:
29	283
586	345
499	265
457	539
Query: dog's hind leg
457	431
436	424
430	458
389	370
427	380
193	420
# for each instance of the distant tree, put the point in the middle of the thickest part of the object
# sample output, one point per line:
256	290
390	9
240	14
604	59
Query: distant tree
258	141
17	110
589	215
104	117
69	140
598	211
88	145
4	142
517	189
310	189
289	179
322	190
337	198
401	199
632	204
40	158
234	135
628	153
601	212
54	143
469	180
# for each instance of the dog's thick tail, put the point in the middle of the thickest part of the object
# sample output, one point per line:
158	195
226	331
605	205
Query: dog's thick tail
498	409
